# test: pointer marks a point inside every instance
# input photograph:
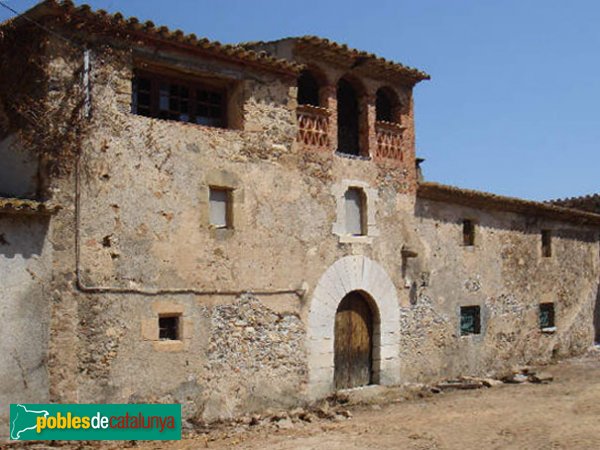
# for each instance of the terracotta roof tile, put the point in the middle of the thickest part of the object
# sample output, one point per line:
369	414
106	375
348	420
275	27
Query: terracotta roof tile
589	203
132	25
485	200
344	50
25	206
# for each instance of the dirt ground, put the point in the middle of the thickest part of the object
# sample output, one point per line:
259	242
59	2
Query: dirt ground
564	414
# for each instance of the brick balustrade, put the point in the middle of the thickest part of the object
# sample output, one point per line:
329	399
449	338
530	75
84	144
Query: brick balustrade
389	140
313	126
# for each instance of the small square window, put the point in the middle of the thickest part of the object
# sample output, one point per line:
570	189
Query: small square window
168	328
546	243
470	320
547	316
468	233
220	207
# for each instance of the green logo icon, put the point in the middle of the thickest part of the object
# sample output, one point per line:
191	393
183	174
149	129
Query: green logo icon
95	422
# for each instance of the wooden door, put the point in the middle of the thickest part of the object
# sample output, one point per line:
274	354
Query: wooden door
353	342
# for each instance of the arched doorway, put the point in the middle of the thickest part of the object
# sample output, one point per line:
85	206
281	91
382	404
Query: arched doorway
353	342
347	275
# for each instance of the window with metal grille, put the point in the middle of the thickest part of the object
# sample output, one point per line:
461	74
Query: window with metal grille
470	320
166	98
546	243
354	203
546	315
220	207
168	328
468	233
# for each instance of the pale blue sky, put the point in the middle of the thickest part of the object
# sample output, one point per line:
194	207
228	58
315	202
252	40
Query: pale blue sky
513	106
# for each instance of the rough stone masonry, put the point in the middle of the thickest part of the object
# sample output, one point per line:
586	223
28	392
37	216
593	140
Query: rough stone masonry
181	220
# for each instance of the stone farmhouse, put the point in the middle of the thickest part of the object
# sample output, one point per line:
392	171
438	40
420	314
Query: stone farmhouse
236	227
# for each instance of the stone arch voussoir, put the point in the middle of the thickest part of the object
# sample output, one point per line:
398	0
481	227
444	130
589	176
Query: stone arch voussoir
352	273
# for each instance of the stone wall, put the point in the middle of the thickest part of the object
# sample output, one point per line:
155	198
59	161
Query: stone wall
144	237
234	357
506	274
133	241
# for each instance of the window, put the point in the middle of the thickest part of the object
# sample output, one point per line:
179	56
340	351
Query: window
220	207
166	98
387	106
546	316
546	243
470	320
168	328
354	203
468	233
308	89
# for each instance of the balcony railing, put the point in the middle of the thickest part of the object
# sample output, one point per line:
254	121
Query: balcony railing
389	140
313	126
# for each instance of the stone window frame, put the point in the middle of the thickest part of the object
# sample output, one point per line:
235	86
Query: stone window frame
370	198
150	328
226	180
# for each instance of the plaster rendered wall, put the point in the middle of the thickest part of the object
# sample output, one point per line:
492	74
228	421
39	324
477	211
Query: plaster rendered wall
25	267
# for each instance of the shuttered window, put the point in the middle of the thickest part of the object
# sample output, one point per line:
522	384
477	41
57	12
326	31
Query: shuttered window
468	233
470	320
546	243
220	215
546	315
355	214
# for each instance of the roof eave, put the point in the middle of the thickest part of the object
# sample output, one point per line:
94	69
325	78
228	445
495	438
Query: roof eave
148	31
10	205
485	200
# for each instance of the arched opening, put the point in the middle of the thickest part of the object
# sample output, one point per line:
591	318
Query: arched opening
308	89
368	279
387	106
353	342
348	119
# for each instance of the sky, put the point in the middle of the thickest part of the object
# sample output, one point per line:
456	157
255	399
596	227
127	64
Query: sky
513	106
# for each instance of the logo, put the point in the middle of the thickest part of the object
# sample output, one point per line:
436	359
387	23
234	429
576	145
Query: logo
95	422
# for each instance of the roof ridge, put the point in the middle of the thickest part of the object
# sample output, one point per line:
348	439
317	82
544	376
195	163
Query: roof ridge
576	198
342	47
435	190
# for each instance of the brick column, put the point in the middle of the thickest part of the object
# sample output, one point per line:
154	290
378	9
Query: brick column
408	145
368	138
329	100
